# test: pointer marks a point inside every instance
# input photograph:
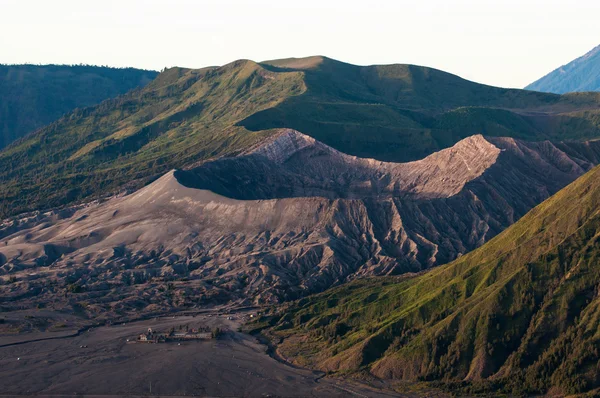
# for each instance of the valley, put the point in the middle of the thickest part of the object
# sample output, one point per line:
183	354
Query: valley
520	315
382	230
100	362
286	218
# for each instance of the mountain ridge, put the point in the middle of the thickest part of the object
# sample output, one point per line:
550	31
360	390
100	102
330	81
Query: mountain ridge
393	113
36	95
519	315
581	74
279	221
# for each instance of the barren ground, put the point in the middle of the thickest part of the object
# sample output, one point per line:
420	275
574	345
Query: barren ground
234	365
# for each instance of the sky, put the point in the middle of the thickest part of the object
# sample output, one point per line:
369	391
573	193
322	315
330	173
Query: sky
505	43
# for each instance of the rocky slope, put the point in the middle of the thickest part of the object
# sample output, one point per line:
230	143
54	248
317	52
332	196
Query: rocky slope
520	316
287	217
393	113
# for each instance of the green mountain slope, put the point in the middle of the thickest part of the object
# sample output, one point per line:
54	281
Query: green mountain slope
405	112
581	74
521	314
394	112
182	117
33	96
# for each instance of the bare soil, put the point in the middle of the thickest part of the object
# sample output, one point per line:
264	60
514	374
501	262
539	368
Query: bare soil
100	362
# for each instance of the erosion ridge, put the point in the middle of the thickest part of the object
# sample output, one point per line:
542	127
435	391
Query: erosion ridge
518	316
294	165
283	219
184	117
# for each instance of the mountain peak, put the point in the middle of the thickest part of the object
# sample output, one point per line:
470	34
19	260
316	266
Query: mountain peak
303	63
581	74
593	52
394	113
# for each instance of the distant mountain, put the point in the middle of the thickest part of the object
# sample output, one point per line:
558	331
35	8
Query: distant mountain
186	117
582	74
520	315
33	96
285	218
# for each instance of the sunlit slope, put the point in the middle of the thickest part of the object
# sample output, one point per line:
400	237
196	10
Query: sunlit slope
390	112
405	112
183	116
521	313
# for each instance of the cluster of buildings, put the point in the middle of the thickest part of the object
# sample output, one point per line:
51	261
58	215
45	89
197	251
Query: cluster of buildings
192	334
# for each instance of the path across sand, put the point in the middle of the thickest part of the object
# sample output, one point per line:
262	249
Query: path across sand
235	365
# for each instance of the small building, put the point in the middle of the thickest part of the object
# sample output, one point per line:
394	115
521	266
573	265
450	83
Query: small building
151	337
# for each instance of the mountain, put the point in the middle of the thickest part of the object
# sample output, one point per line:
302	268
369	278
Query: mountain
582	74
34	96
286	217
520	315
184	117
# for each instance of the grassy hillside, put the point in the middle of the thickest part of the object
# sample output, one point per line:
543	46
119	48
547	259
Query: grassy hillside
181	117
394	112
581	74
405	112
33	96
521	314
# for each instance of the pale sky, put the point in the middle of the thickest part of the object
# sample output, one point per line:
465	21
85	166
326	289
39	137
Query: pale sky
506	43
